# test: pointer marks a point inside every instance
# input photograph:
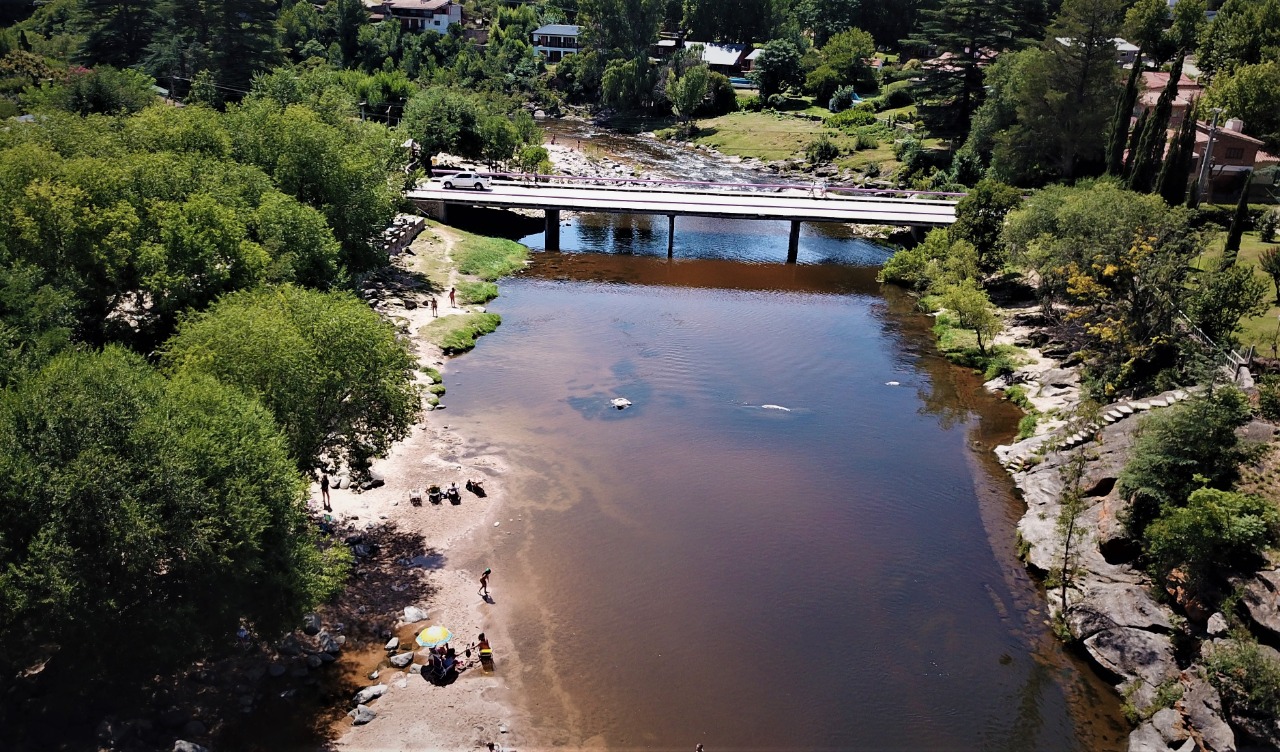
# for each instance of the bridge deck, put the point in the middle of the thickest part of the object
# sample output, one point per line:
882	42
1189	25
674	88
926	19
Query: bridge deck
705	203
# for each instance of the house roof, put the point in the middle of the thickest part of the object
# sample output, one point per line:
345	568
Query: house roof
754	53
559	30
430	5
719	54
1222	134
1157	80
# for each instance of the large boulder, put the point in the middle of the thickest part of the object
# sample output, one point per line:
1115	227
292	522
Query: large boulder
1202	707
400	660
1146	738
311	624
363	714
1134	654
186	746
1105	605
1262	602
368	694
414	614
1172	728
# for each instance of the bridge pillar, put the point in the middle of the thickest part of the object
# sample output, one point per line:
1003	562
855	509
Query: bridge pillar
793	242
671	235
551	233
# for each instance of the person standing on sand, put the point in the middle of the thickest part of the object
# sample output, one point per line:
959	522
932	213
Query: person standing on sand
484	582
324	491
434	307
452	290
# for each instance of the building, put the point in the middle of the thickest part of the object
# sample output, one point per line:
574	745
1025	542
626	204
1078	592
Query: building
729	59
554	41
417	15
1153	84
1235	154
1126	53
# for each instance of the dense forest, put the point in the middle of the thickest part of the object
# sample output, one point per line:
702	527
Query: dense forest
191	192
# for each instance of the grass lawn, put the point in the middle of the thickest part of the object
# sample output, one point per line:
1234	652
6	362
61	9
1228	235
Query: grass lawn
764	135
458	333
488	258
1260	331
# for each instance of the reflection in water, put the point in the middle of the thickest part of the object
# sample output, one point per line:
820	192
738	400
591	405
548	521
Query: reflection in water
700	569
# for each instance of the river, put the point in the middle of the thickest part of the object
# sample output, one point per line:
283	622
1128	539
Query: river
701	568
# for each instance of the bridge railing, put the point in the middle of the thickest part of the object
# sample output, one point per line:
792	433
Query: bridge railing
605	181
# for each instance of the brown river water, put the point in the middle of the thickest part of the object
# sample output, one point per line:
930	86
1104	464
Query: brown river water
700	568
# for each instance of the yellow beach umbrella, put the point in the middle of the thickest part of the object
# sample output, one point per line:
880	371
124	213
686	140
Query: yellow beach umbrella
434	635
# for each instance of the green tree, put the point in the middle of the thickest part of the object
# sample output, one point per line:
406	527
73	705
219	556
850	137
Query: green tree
627	85
1221	297
116	32
843	62
620	29
687	92
1181	449
777	67
973	310
1270	263
334	374
138	508
500	139
1239	222
965	33
103	90
1176	170
980	217
1244	32
1217	532
1251	93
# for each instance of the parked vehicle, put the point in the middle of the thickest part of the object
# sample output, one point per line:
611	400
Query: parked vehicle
468	180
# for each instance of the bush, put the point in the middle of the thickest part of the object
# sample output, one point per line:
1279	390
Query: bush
1268	224
457	334
776	102
1215	533
842	99
896	98
1269	397
1181	449
1027	426
1247	678
821	150
436	389
872	170
867	141
850	119
751	104
723	98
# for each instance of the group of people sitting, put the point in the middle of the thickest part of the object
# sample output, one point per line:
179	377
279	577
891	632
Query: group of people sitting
444	660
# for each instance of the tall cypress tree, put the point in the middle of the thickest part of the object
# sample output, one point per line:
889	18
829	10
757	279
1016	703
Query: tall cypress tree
1134	137
116	32
1120	121
1172	185
1155	135
1238	221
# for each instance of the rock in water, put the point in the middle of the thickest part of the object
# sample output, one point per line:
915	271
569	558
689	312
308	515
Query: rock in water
776	407
185	746
621	403
370	693
363	714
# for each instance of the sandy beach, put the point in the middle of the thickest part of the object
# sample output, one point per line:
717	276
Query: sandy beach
479	706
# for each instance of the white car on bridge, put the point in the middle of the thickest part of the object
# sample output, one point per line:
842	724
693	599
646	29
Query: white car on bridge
467	180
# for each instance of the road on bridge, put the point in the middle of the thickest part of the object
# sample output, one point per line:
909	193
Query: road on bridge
795	205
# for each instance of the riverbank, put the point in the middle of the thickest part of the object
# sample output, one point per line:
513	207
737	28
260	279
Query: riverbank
1152	646
479	707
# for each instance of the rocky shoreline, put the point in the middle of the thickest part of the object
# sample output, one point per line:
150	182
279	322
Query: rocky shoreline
1152	653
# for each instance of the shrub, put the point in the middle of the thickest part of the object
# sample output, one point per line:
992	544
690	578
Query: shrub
1001	365
842	99
867	141
872	170
1027	426
850	119
821	150
776	102
898	98
436	389
1268	224
751	104
1247	678
1216	532
1269	397
722	98
1181	449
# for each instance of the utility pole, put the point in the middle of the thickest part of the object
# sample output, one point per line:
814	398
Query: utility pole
1202	181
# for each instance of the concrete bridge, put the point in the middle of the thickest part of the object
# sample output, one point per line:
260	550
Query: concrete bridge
796	203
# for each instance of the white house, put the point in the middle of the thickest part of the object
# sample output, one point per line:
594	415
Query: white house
417	15
1126	53
554	41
